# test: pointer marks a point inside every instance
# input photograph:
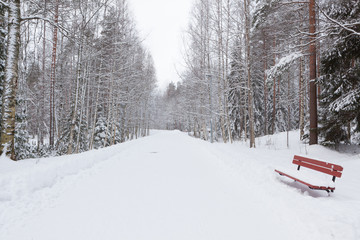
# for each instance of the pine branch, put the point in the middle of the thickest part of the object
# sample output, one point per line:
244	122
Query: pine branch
4	4
343	26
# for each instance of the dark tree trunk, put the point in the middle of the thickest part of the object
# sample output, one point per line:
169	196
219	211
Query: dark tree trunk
313	90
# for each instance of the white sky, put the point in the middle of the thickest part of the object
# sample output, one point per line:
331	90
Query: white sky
161	23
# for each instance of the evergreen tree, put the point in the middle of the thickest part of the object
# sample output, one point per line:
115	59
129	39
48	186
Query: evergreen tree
23	148
340	97
100	130
236	96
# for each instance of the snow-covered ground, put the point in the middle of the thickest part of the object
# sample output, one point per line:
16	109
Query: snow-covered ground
172	186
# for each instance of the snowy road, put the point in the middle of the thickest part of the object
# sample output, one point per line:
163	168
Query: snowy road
170	186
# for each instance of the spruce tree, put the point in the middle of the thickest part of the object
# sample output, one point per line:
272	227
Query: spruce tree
23	148
100	130
340	97
236	95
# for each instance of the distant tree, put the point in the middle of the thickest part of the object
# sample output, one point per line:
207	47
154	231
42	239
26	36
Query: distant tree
100	130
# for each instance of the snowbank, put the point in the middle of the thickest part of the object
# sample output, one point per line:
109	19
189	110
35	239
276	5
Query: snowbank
22	178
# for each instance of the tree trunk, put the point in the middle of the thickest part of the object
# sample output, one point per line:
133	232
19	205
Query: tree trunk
274	97
110	102
11	79
77	92
226	70
288	108
96	106
250	97
301	99
42	106
313	90
82	100
52	77
265	88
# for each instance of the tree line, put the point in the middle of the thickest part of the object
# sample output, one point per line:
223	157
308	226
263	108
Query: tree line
257	67
74	77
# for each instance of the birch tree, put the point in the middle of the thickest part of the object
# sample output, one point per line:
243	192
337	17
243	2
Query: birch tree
11	79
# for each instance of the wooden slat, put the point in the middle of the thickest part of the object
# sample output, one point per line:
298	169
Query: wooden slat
319	163
305	183
318	168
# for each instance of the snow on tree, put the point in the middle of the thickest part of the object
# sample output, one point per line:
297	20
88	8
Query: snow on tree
23	147
340	96
119	76
3	33
11	79
100	130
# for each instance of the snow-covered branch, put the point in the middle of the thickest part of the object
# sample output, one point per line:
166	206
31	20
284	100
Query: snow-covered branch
5	4
341	25
345	102
283	63
286	3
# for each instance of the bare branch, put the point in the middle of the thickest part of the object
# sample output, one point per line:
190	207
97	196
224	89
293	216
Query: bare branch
62	29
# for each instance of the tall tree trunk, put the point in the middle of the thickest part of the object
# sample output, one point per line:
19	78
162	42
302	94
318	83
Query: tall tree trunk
274	96
3	33
76	101
110	102
226	70
318	54
250	99
82	100
288	108
220	69
301	99
52	77
11	79
96	105
265	88
42	106
313	90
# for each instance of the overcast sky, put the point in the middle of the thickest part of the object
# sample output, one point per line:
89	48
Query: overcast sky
161	23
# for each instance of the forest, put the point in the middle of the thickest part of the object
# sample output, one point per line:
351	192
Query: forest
260	67
75	75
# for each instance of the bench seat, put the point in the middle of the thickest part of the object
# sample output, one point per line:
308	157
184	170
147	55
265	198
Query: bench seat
310	178
314	174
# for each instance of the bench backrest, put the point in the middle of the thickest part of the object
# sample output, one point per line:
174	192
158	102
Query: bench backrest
328	168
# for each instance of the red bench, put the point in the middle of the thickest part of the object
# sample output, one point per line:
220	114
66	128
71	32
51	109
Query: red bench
315	182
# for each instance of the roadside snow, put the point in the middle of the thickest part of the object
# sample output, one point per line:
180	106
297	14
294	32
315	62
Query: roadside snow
172	186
